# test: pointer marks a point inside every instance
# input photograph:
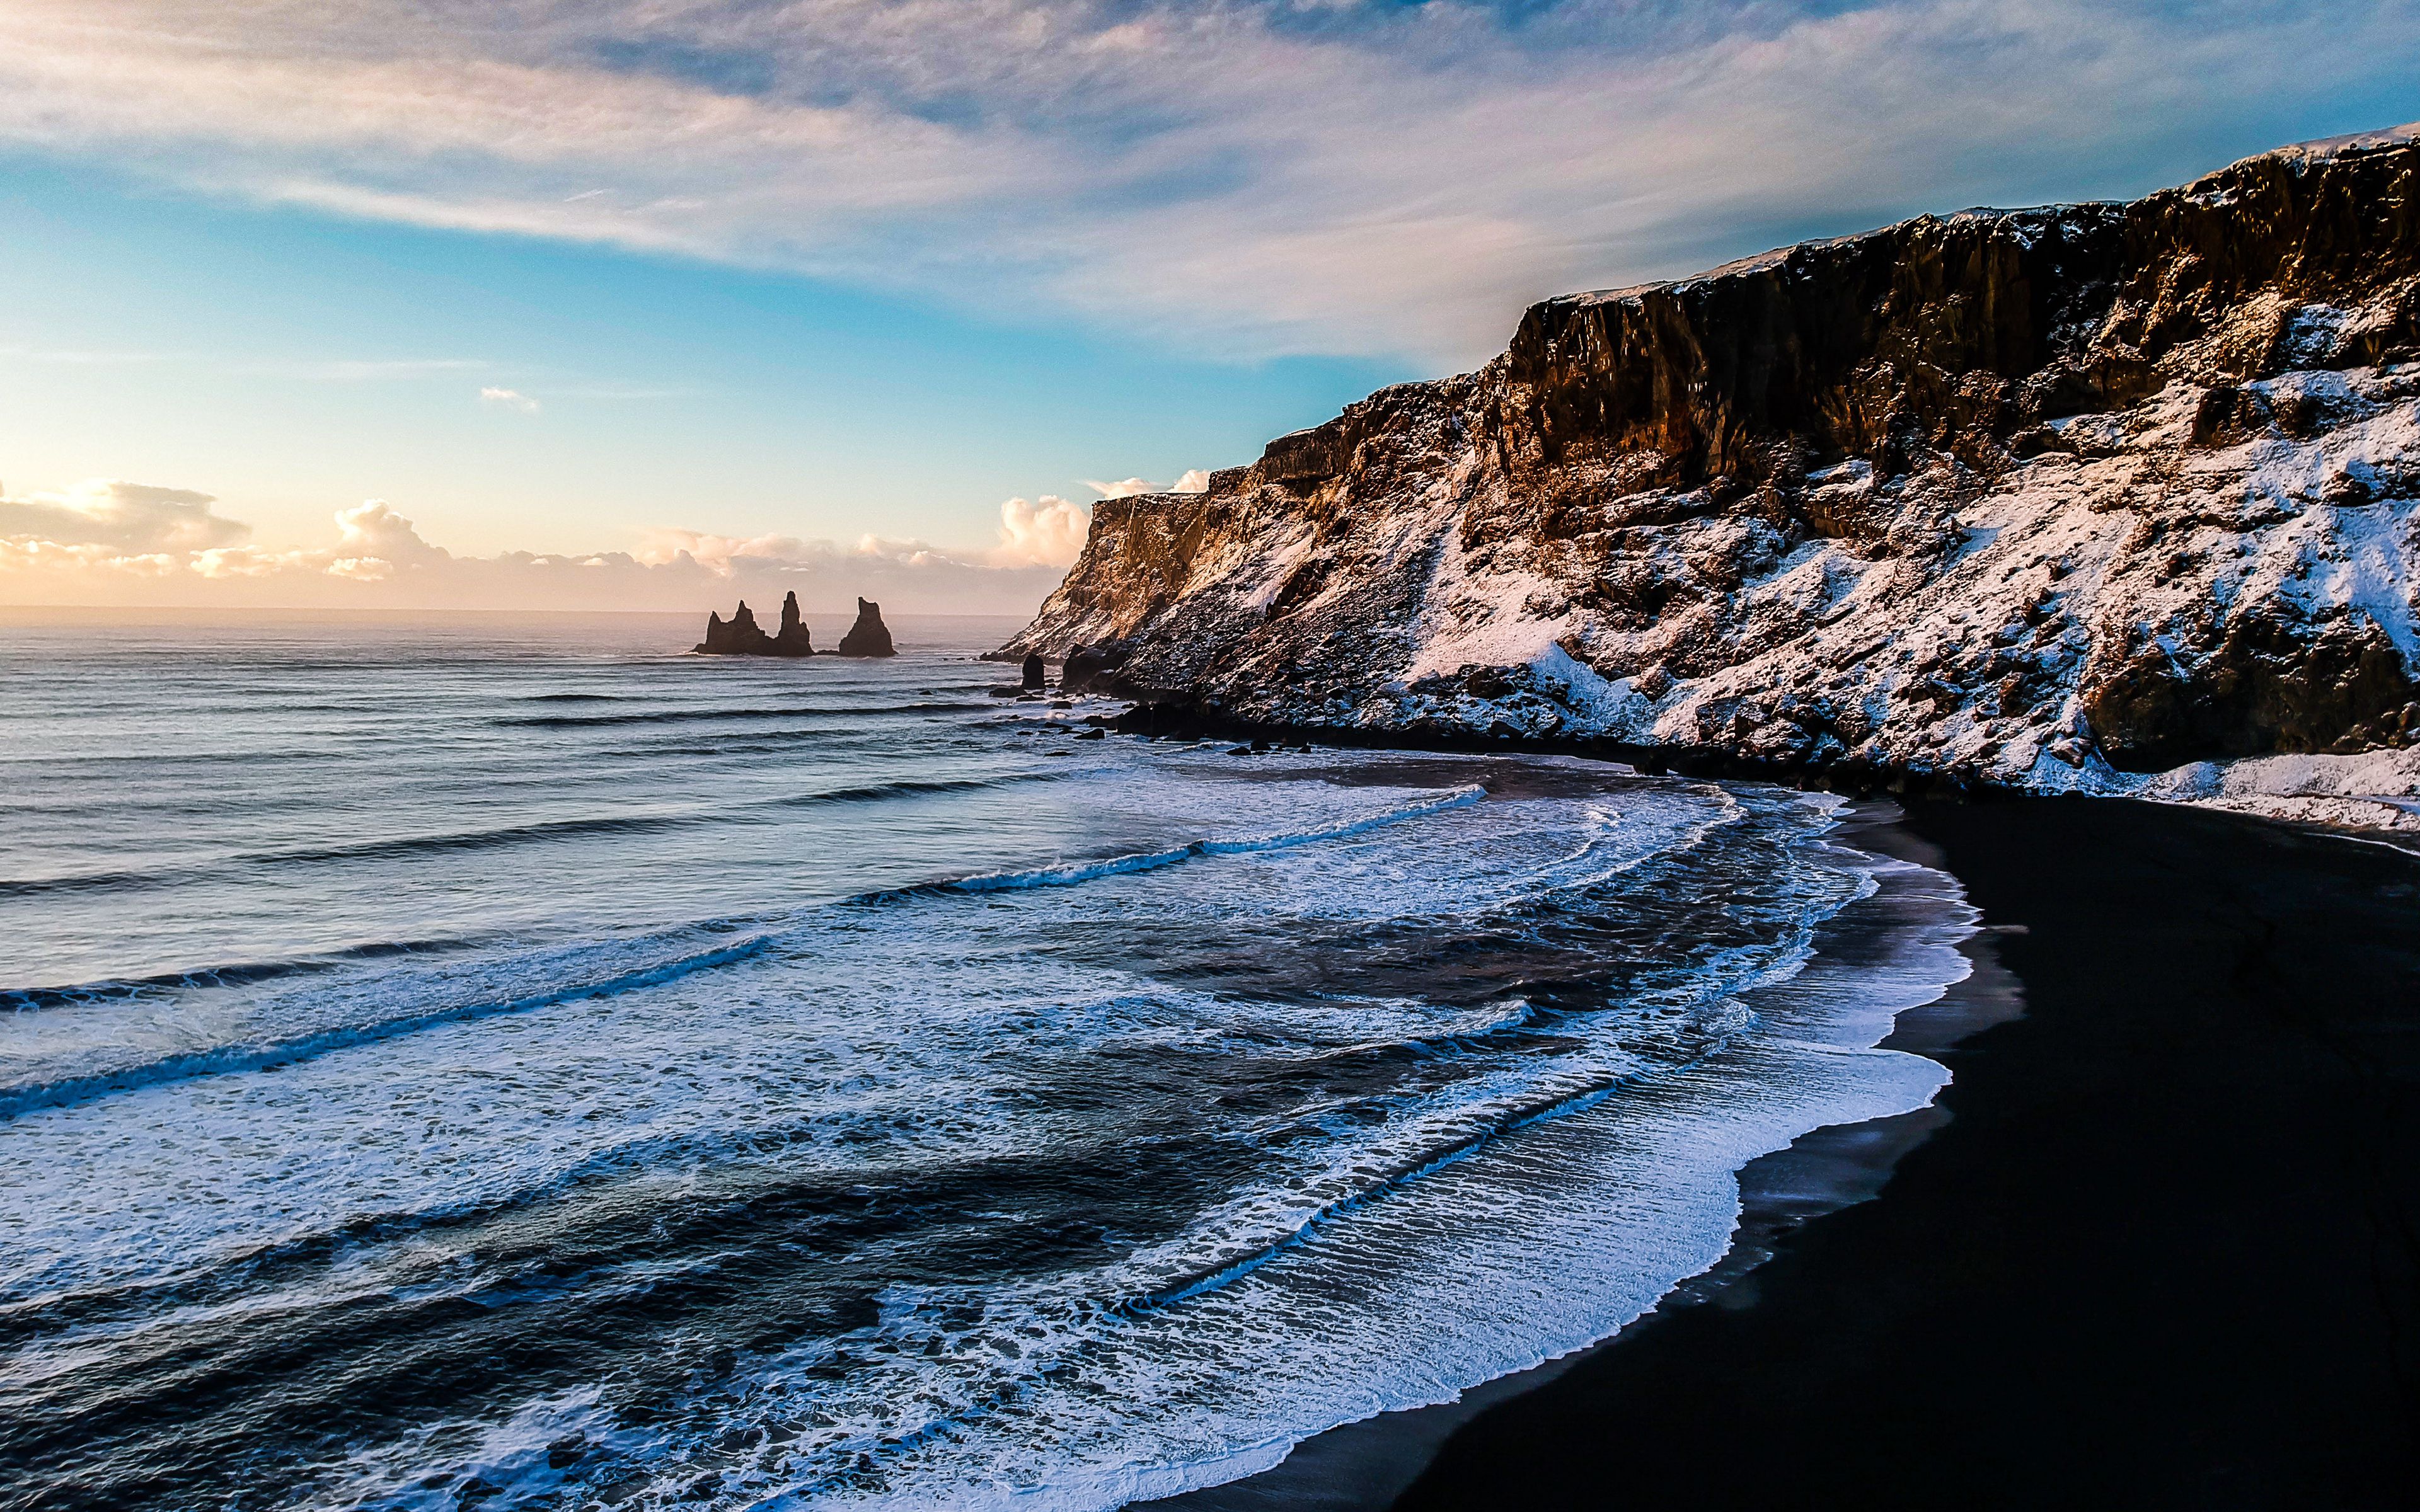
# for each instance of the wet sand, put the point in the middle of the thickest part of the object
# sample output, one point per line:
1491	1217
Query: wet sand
2164	1251
2158	1245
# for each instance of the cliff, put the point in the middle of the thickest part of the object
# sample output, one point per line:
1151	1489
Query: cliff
2108	498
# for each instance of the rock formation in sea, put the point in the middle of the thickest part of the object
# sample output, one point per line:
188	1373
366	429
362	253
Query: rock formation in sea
869	636
1031	675
794	641
2105	498
738	637
742	637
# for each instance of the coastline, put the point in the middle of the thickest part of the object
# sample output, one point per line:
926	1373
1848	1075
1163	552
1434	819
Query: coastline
1917	909
2161	1252
2328	793
2153	1243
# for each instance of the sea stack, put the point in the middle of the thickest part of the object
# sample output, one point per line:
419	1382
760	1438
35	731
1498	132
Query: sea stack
794	640
1033	672
868	637
740	636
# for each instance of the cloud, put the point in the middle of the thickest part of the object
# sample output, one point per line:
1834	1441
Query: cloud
508	399
109	543
1192	480
1248	177
1048	534
123	517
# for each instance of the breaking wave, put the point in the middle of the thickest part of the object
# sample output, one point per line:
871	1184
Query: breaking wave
897	1119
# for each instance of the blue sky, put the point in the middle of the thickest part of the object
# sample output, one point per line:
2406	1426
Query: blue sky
764	279
293	361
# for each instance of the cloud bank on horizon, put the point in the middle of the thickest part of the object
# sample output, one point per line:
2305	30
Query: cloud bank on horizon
1241	180
1247	177
108	543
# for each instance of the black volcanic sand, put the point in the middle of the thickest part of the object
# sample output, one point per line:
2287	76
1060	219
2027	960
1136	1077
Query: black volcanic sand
2157	1247
2164	1253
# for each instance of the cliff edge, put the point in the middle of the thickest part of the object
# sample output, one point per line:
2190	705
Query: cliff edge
2109	498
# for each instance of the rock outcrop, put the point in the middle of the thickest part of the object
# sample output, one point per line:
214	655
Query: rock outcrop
2109	498
1090	669
869	636
742	637
1030	675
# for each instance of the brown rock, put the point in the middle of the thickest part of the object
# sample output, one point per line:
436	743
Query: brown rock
1848	474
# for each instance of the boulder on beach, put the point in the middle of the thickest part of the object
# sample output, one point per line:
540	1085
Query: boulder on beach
1089	668
869	636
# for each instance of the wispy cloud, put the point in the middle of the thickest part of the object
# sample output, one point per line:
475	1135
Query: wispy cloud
1248	177
508	399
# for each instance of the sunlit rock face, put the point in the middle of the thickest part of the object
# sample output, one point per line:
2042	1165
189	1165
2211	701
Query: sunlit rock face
2050	499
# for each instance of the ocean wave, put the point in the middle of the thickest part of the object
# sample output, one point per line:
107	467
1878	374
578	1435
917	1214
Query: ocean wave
575	721
1067	875
1174	1357
17	1101
403	846
239	974
469	1000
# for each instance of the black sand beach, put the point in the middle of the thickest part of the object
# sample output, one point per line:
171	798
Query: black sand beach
2157	1246
2164	1253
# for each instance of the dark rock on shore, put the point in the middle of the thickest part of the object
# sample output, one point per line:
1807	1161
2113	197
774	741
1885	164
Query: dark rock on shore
1033	672
2096	498
869	636
1092	669
740	636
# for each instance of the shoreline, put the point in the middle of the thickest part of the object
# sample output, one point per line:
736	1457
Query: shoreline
2180	1103
2314	806
1367	1463
2161	1250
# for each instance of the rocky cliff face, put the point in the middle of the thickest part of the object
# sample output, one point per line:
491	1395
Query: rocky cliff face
2110	498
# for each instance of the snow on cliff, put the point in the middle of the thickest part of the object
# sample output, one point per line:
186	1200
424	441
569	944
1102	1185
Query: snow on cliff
2100	498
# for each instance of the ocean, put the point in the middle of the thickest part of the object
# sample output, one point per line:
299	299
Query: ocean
508	1061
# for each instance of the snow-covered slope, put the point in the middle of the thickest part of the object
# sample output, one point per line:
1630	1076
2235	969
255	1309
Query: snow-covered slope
2109	498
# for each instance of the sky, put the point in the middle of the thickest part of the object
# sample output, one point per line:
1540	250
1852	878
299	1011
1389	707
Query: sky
639	303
